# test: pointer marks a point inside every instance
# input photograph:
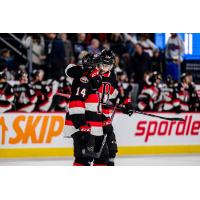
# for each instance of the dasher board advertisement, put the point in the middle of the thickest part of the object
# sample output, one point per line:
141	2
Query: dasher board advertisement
41	134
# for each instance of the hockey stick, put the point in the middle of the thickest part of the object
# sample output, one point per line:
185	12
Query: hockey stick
152	115
160	117
97	155
62	95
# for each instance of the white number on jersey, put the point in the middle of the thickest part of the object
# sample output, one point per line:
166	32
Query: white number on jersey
82	92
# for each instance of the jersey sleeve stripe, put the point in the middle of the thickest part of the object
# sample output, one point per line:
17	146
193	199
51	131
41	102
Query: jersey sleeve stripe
74	104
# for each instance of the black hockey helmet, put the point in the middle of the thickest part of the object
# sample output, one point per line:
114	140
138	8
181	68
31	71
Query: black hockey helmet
88	61
107	57
20	74
155	76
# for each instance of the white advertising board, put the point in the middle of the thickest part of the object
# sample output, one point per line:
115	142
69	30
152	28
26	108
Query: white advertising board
38	132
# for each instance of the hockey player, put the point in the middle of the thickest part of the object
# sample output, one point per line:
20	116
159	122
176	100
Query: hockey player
6	93
25	96
194	102
109	93
183	93
44	92
84	120
61	102
168	99
149	95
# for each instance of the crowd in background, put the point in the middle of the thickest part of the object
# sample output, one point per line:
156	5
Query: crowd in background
137	57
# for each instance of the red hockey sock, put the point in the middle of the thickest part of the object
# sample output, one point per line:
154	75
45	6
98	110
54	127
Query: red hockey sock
77	164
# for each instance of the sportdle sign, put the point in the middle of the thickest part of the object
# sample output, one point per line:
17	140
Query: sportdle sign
40	134
168	128
142	130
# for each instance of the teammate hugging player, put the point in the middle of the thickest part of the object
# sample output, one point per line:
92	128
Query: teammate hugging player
95	106
109	94
84	120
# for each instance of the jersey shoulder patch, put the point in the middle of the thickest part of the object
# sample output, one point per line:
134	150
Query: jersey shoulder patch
84	79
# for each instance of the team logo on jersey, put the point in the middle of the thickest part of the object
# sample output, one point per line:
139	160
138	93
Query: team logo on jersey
84	79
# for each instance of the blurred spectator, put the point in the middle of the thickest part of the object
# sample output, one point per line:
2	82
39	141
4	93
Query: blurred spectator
36	41
94	47
133	60
139	64
69	54
132	37
131	40
174	55
117	69
80	44
55	52
117	43
124	61
157	61
102	37
147	45
7	59
9	75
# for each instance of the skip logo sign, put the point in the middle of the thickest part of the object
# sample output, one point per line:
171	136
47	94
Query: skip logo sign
32	129
3	129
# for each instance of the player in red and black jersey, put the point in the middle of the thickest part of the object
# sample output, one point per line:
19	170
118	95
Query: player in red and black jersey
168	99
148	98
84	120
61	102
6	93
25	96
183	93
194	102
43	91
110	94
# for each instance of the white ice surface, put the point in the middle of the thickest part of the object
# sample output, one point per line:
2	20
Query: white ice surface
161	160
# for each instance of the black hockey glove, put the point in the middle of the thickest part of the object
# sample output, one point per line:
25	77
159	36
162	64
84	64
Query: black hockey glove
107	126
128	109
88	151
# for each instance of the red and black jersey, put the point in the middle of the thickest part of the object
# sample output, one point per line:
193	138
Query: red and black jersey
110	91
44	94
194	102
84	108
168	100
25	98
6	97
64	88
183	96
148	97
